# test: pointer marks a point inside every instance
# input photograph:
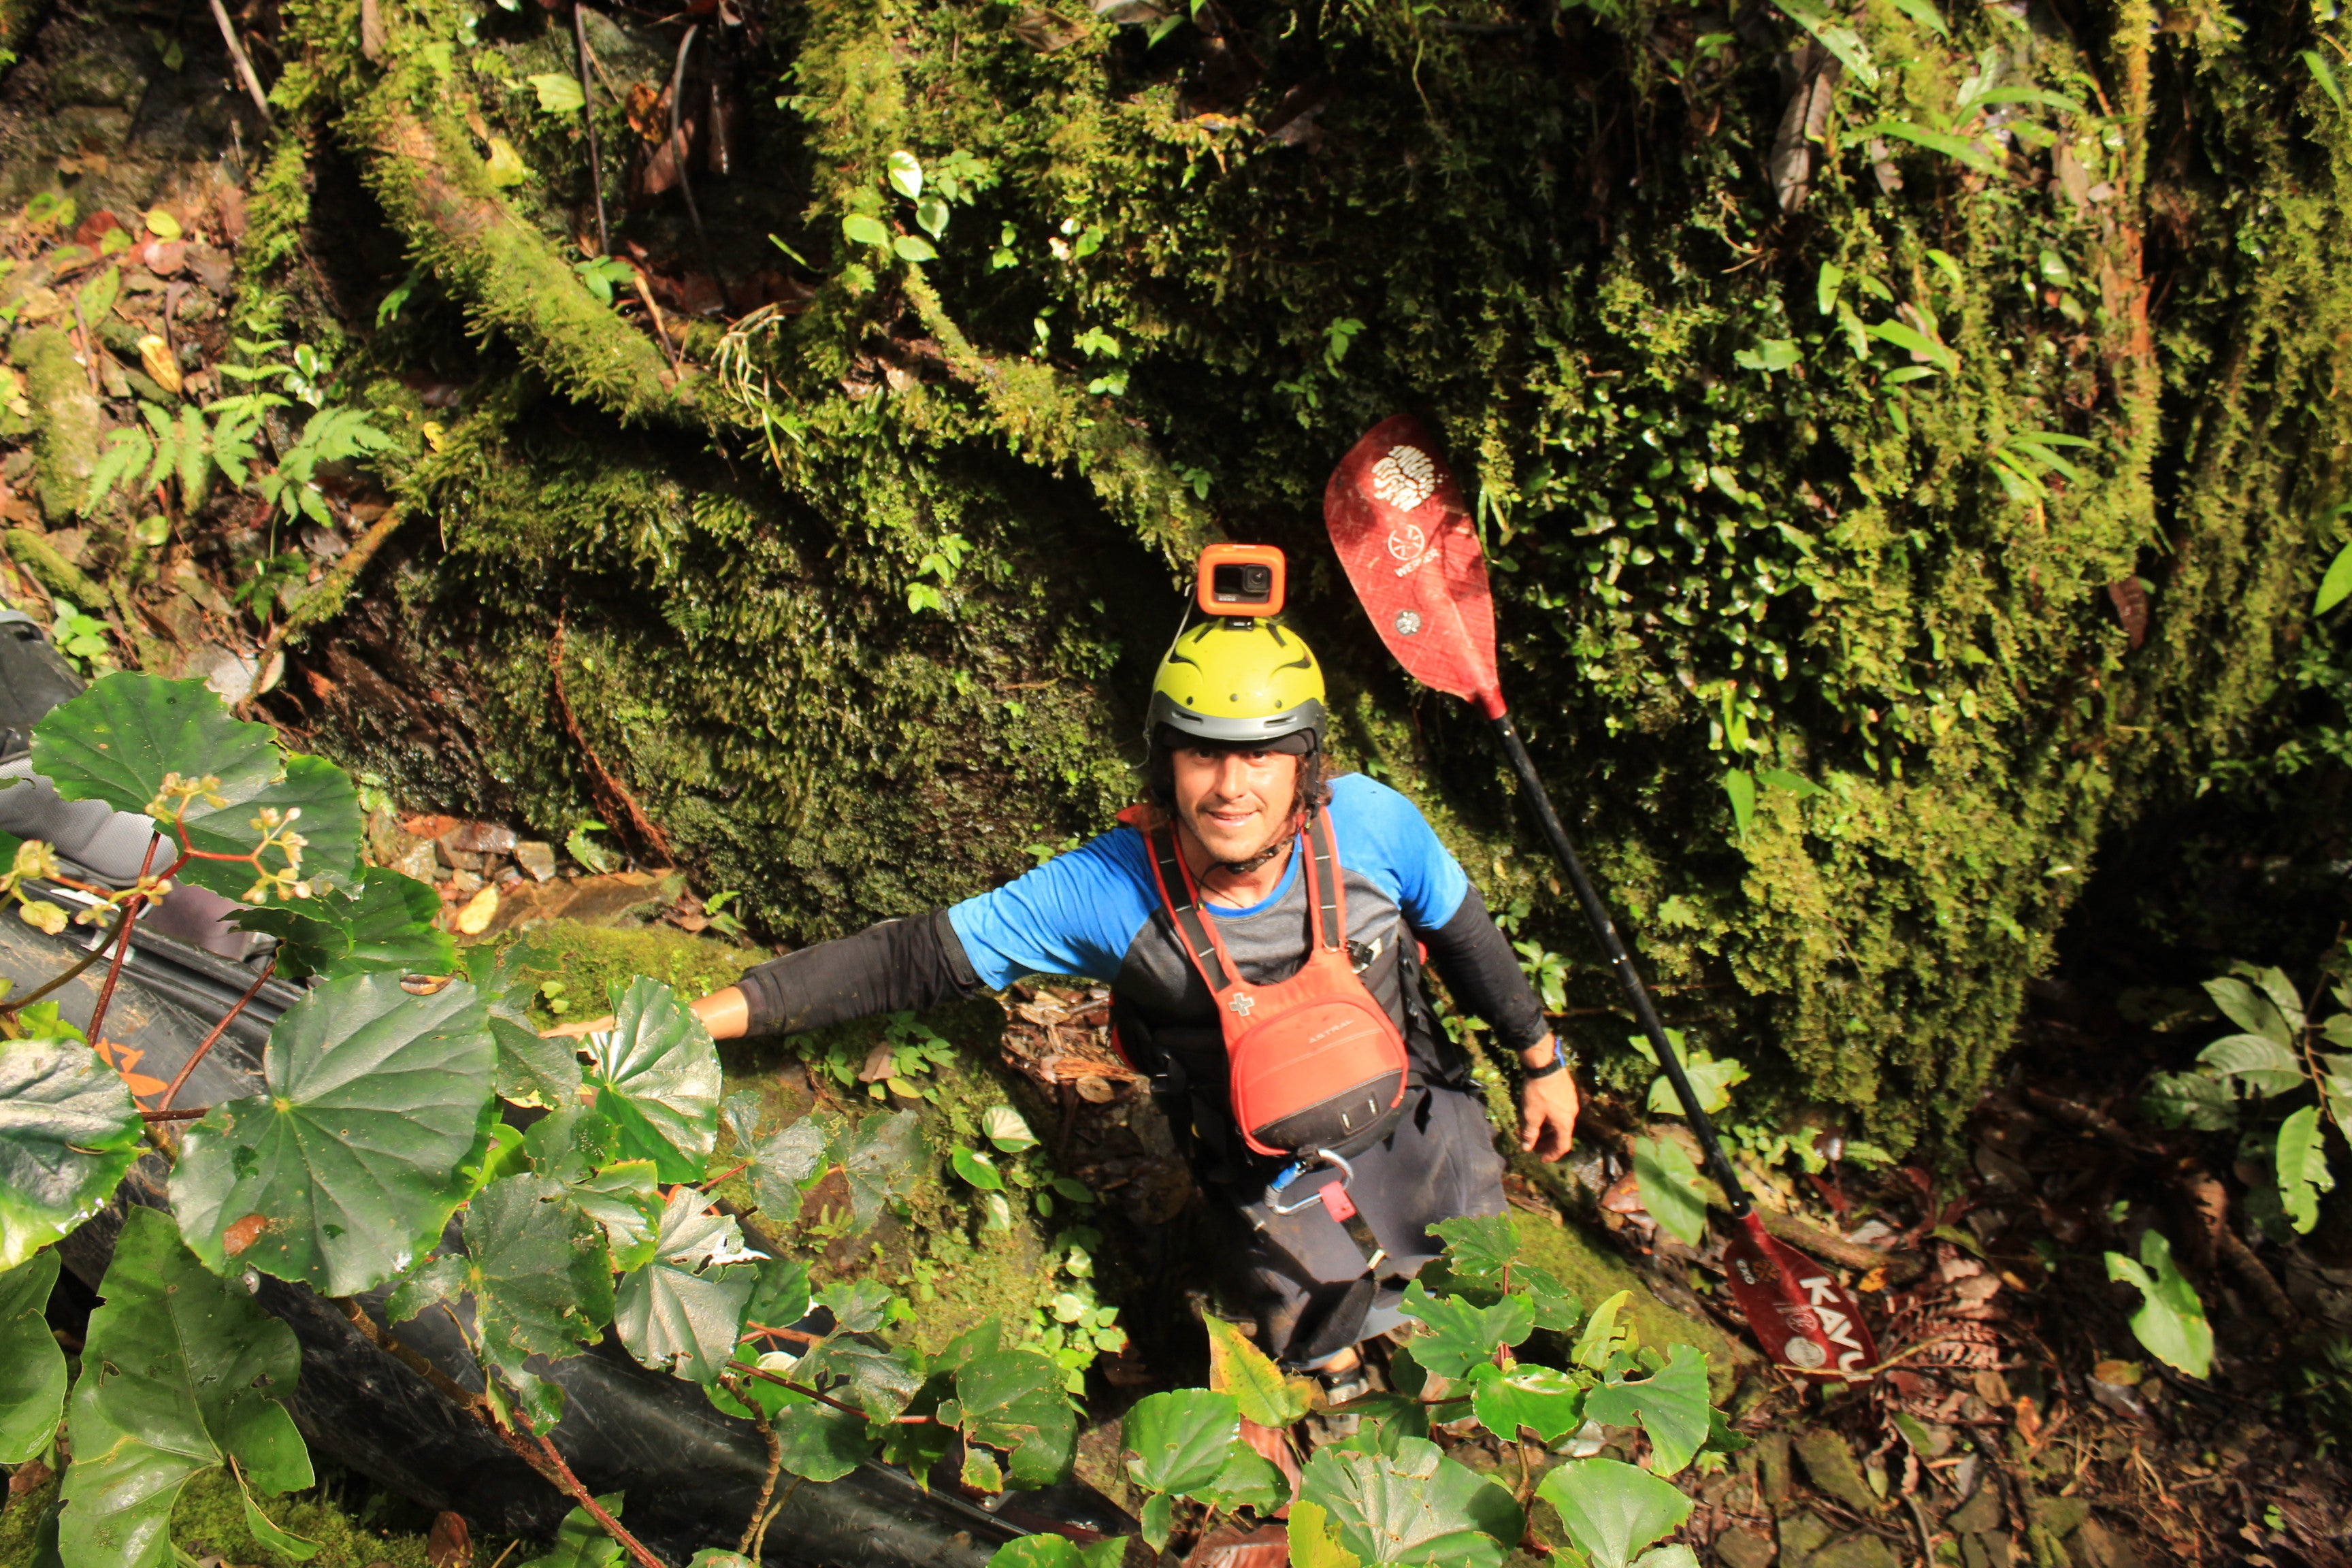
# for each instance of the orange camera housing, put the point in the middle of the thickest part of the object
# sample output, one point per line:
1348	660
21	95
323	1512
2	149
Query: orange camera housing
1241	581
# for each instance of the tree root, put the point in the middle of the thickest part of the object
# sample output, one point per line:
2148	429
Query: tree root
60	576
423	169
613	797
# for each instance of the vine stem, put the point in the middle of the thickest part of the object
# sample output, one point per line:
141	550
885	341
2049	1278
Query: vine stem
122	944
588	119
545	1461
801	1335
164	1105
563	1477
753	1525
766	1376
612	796
245	73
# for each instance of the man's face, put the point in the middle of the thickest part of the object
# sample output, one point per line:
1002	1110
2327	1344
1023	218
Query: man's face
1235	803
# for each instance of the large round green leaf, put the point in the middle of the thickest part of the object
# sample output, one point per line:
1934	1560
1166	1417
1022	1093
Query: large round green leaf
1180	1439
1548	1403
656	1074
181	1371
684	1310
1414	1505
539	1274
1671	1404
1013	1400
387	924
32	1367
68	1128
117	741
1612	1510
343	1173
532	1069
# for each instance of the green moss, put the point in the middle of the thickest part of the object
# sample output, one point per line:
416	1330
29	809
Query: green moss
65	417
20	1524
952	1267
210	1519
55	573
1595	1276
590	960
437	191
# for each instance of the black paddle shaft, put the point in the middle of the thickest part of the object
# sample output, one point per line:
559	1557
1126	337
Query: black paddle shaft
1605	931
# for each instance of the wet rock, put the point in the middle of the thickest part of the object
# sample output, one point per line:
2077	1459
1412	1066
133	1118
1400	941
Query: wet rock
1802	1534
1987	1552
1856	1550
1742	1547
1982	1513
418	861
1830	1465
2060	1515
1772	1458
481	839
536	858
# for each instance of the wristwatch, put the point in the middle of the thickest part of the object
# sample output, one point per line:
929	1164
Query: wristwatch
1558	1063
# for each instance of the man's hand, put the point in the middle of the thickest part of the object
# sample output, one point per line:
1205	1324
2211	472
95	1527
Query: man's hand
726	1014
1547	1107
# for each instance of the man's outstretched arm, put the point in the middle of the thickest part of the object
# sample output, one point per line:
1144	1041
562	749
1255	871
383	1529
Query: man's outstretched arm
893	967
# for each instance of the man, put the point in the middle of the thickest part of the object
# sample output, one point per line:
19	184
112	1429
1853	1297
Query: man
1228	943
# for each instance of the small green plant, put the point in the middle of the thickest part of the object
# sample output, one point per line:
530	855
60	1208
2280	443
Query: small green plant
604	274
1547	972
2279	1061
941	563
80	637
2326	1381
1389	1494
714	910
592	855
2170	1324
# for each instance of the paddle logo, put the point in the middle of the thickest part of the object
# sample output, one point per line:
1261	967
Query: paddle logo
1404	479
1822	1294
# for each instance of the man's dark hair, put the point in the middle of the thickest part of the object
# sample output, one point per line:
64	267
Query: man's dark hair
1314	785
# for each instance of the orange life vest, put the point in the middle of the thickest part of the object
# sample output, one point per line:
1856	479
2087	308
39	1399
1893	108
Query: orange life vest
1315	1063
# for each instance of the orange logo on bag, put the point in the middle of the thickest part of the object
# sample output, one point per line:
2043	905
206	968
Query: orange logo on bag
1315	1061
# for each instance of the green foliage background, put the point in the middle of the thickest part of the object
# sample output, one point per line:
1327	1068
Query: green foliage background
1741	518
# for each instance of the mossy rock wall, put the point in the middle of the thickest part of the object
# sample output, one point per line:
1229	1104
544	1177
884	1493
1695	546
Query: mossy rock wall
1957	469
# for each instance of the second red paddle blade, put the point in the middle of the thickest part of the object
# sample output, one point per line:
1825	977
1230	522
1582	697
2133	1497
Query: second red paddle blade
1398	523
1805	1320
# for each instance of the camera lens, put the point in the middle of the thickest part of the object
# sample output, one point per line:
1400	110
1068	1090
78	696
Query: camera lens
1241	584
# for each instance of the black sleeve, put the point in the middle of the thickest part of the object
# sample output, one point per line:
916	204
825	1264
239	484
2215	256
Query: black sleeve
886	968
1485	976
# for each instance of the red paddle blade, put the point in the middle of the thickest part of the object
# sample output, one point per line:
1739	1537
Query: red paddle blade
1398	523
1801	1316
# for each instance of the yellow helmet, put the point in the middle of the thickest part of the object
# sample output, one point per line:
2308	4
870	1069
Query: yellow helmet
1232	681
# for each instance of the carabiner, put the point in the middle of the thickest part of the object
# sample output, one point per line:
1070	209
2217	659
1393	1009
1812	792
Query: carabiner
1292	1173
